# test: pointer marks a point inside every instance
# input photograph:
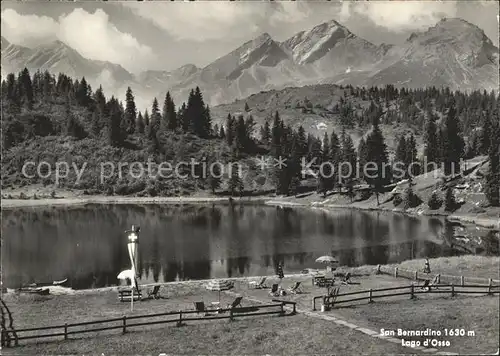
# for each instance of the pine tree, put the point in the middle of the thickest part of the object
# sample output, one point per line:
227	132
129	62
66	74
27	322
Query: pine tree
147	121
301	142
400	156
197	114
276	136
240	136
169	118
130	116
100	101
214	175
325	148
230	130
411	157
431	150
453	143
265	133
82	94
378	175
485	136
349	159
115	136
492	190
154	124
96	124
26	89
235	183
362	157
222	133
140	124
182	119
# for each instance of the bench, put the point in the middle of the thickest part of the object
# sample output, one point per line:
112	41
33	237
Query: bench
125	295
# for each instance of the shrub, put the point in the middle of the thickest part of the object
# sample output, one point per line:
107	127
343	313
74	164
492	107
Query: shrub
397	199
450	202
435	201
410	199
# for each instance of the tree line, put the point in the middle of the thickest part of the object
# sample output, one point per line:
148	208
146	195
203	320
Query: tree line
444	118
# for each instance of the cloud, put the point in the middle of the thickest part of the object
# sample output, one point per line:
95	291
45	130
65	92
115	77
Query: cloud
91	34
27	29
400	15
215	20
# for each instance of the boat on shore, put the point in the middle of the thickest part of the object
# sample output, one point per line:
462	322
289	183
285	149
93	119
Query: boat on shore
31	290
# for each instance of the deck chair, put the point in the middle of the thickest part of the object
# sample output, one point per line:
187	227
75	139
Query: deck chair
274	290
434	283
235	303
347	278
426	285
258	285
200	308
154	293
296	288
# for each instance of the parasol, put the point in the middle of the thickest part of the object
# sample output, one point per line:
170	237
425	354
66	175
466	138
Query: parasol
127	274
219	285
328	260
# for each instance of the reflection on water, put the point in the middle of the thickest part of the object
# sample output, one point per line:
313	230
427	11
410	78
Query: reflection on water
87	244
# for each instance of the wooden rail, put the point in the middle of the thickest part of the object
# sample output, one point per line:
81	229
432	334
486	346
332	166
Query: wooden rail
124	323
420	275
411	290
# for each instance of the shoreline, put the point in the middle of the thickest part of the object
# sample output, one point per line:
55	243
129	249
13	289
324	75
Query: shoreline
466	219
357	271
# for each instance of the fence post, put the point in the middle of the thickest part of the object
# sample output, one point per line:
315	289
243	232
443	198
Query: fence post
439	278
371	293
314	304
179	323
294	311
416	275
124	324
396	272
462	280
412	292
282	310
490	282
231	314
452	290
65	331
378	269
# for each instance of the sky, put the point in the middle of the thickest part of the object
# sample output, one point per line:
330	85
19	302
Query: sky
166	35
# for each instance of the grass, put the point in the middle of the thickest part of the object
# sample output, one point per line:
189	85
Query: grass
296	335
299	334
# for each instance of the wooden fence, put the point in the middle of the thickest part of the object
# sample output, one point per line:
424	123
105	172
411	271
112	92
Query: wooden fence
125	323
442	278
411	290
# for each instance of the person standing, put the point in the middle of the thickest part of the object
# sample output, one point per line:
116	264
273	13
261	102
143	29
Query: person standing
427	266
280	271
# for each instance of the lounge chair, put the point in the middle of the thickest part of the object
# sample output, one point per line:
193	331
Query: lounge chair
274	290
154	293
200	308
258	285
347	278
235	303
296	288
426	285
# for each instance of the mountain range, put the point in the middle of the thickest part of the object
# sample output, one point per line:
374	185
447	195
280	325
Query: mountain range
453	53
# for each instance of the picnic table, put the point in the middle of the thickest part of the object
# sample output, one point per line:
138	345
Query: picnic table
322	281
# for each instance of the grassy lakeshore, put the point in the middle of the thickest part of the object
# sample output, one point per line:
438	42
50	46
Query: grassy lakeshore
299	334
39	196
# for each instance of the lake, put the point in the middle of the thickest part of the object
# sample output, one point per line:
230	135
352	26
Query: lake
87	244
